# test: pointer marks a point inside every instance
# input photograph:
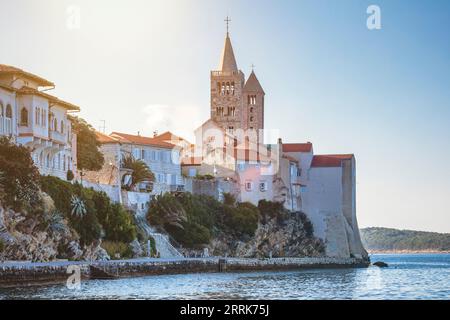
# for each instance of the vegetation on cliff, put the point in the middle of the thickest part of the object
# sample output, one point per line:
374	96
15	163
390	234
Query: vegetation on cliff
43	218
239	229
385	239
102	219
18	177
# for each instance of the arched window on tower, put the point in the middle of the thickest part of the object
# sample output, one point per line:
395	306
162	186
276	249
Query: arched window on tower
251	109
251	119
228	88
222	91
232	88
24	117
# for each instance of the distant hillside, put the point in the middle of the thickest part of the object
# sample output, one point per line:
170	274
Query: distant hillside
385	239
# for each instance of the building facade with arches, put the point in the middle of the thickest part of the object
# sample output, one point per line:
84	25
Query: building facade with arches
40	121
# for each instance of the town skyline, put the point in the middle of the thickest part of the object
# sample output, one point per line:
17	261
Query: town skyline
173	89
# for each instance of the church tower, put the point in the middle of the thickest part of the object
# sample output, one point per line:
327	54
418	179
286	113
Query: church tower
227	85
235	104
253	103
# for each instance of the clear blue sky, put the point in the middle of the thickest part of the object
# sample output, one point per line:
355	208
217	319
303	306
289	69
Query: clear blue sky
383	95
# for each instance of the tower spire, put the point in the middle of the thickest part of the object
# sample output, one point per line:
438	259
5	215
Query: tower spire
228	61
228	20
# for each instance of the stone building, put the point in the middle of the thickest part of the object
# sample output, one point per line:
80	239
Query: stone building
34	118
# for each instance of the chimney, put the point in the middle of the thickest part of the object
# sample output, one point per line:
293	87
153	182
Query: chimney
155	133
139	133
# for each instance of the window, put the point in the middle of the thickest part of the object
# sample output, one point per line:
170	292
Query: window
8	111
232	88
55	125
24	117
220	111
251	119
263	186
142	154
231	111
192	172
251	110
248	185
62	126
222	91
1	109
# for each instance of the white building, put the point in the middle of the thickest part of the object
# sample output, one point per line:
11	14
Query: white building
38	120
162	158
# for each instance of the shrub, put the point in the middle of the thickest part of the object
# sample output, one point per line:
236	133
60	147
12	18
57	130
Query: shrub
117	249
270	209
70	175
20	177
100	218
243	219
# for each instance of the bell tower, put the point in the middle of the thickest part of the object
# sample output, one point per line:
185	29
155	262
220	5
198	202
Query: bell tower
227	85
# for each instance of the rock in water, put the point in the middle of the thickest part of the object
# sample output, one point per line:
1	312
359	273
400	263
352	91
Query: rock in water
380	264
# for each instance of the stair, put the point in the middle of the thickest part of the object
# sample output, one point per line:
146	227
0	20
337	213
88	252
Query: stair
162	243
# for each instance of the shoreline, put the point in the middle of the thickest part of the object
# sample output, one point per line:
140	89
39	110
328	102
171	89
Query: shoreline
407	252
23	274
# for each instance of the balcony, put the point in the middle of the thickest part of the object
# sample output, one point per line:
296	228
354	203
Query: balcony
58	137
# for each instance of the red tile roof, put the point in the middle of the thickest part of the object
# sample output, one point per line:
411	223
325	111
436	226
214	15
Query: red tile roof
129	138
104	138
330	160
297	147
13	70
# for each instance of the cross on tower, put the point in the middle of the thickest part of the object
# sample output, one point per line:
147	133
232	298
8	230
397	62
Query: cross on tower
228	20
253	67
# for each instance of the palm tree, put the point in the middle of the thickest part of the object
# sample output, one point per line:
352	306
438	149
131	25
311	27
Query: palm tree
78	207
141	172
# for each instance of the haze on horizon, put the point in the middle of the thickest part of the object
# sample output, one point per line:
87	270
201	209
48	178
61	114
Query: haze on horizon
382	94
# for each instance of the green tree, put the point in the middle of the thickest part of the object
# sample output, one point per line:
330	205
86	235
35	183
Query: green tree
20	177
141	172
89	156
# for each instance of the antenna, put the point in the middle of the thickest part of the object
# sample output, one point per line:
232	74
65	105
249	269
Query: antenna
103	128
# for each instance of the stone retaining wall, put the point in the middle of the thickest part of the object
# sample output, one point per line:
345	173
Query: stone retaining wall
24	274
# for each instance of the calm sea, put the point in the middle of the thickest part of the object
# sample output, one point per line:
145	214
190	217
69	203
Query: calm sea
414	276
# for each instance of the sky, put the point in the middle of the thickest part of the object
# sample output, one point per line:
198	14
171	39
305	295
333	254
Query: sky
383	94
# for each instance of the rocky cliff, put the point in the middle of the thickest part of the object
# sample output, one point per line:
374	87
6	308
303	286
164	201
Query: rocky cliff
43	236
290	236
